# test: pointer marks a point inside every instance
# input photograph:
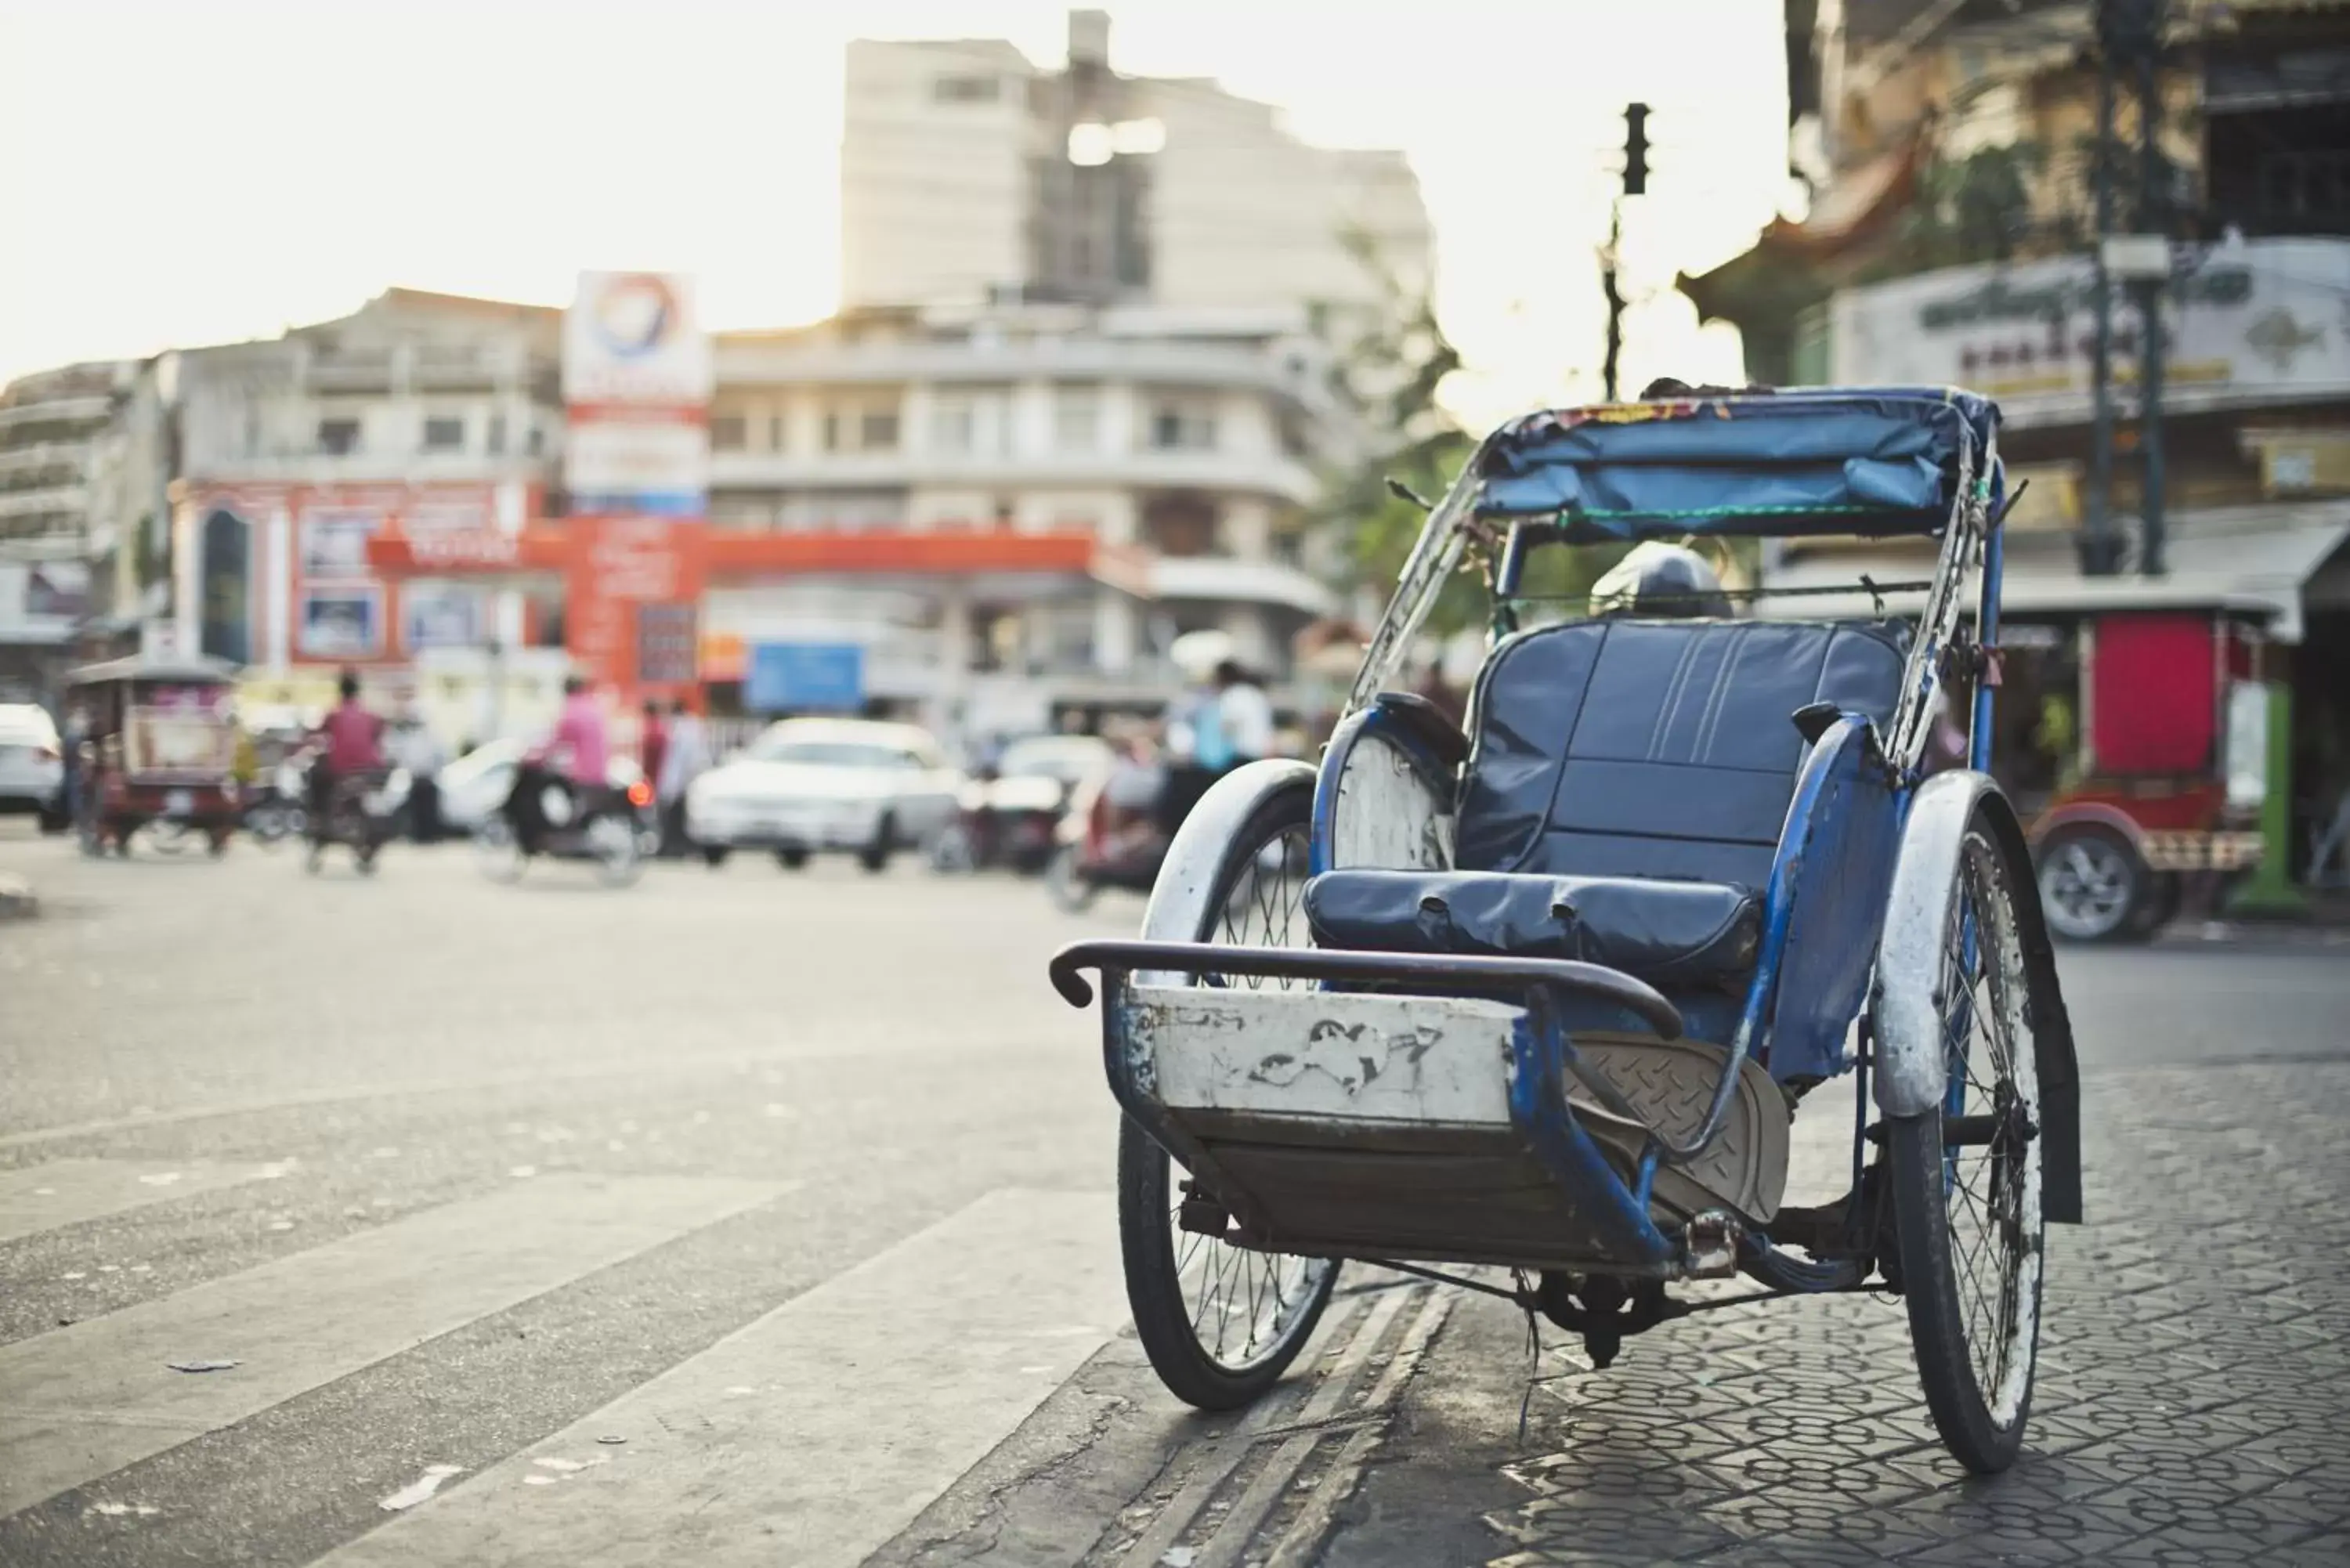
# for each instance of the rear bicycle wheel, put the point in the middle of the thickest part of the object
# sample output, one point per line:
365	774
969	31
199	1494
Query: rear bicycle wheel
1221	1323
1966	1178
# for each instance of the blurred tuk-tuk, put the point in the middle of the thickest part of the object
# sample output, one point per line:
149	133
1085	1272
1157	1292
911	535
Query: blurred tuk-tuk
160	748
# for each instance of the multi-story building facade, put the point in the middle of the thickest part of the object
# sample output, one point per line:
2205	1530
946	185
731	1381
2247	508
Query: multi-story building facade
82	463
429	414
1182	450
1952	238
969	173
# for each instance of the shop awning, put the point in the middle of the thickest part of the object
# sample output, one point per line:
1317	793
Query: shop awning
2249	560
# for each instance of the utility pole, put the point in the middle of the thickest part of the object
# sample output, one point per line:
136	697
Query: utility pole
2154	218
2100	555
1636	183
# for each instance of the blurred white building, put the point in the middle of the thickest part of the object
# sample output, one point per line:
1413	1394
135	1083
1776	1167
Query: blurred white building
969	173
429	414
1025	505
82	456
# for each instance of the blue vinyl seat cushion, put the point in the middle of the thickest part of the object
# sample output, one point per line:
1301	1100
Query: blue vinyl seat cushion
1665	932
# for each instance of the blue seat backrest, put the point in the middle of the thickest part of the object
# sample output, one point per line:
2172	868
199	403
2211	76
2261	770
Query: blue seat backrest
1662	748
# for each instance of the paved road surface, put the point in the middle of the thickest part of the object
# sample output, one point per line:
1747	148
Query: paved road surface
763	1217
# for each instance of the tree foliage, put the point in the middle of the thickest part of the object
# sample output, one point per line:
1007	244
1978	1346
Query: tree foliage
1389	379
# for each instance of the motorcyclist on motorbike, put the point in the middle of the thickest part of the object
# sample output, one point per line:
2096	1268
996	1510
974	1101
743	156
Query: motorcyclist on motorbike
350	739
576	757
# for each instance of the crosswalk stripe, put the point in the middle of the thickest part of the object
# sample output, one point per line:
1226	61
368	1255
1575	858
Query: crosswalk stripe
68	1192
81	1402
815	1434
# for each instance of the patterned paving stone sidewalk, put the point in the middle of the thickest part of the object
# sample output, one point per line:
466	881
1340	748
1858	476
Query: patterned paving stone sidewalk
2193	1402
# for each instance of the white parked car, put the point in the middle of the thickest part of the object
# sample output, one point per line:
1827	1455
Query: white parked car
811	785
32	763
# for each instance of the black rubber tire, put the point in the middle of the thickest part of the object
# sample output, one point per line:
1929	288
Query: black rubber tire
1961	1409
714	855
1145	1227
875	856
2130	924
792	859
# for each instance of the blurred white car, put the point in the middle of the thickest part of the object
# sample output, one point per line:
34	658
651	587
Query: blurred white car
32	763
811	785
478	783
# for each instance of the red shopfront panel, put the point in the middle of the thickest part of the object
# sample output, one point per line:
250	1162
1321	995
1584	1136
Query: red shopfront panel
2153	704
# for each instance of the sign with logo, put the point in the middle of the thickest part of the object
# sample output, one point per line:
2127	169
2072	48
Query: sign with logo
644	461
805	677
637	380
2271	314
633	337
620	567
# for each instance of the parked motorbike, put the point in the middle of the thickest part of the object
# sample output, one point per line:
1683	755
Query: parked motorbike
1010	822
362	815
545	815
1097	846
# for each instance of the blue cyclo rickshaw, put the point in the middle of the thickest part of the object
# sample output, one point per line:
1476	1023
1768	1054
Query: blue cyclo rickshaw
1544	996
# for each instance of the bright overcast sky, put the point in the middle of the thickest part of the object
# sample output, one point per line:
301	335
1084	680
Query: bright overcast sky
181	172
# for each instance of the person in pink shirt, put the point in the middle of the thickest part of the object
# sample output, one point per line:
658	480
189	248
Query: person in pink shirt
577	754
579	749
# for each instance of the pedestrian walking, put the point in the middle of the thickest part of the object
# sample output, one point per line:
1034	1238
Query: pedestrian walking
1244	715
685	753
418	750
652	743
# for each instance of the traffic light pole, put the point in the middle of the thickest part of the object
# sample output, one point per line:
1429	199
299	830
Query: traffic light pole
1608	369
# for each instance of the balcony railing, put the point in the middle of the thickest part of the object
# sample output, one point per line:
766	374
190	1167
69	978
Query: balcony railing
60	500
62	460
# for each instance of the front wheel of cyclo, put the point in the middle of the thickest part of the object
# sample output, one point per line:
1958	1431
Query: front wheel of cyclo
1221	1323
1966	1178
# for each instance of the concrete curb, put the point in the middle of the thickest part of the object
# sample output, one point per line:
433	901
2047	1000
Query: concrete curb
17	901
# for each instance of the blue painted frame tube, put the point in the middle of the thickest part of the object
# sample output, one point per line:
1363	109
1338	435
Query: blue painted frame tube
1986	633
1617	1214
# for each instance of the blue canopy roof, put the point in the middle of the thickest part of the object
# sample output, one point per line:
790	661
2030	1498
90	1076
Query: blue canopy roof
1827	460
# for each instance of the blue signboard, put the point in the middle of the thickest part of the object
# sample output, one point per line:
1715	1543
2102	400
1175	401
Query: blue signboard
805	676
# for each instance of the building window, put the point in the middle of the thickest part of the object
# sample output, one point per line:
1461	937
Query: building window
831	430
775	432
728	432
444	434
535	442
338	438
877	430
494	441
1183	424
1076	420
965	89
954	424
